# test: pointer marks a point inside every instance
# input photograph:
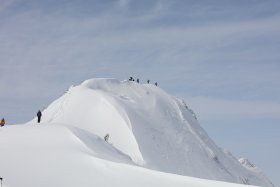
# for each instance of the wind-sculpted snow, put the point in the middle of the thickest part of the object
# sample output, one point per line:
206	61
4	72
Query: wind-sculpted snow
54	155
147	127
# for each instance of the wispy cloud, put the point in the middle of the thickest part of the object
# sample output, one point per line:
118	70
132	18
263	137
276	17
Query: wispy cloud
221	109
124	3
4	4
38	48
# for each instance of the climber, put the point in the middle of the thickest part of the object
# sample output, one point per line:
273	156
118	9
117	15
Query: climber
2	123
106	137
39	115
131	79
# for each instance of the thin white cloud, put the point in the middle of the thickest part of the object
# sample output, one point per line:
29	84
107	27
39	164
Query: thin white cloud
124	3
63	45
31	40
210	108
5	4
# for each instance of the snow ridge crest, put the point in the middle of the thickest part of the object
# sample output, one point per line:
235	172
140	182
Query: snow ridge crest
153	128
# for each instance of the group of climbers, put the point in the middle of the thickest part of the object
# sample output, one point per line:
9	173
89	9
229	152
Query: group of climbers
137	80
39	116
39	113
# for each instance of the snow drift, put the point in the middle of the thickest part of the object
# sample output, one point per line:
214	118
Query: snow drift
147	127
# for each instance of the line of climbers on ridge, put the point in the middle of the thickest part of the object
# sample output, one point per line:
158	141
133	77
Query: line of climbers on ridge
39	113
137	80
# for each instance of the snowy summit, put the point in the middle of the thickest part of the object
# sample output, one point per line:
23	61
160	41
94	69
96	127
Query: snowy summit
107	132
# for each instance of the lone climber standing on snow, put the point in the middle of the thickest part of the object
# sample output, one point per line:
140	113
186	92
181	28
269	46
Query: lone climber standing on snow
39	115
2	123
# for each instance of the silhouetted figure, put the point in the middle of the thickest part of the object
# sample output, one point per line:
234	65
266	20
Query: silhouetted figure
2	123
156	83
131	79
148	81
137	80
39	115
106	137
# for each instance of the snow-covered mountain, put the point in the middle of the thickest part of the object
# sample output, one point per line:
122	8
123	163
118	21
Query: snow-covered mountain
154	140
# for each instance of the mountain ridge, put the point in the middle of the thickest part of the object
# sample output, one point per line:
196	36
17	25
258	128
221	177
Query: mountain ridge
154	129
152	138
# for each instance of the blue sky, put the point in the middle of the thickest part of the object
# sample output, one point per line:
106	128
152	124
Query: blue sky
222	57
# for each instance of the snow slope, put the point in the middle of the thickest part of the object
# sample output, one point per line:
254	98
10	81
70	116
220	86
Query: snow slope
55	155
147	128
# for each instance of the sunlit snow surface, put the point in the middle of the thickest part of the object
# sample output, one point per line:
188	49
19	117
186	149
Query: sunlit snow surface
154	140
